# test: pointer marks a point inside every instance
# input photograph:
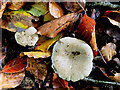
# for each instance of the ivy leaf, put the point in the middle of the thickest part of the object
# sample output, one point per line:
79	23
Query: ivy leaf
15	65
44	43
8	80
38	54
37	68
16	20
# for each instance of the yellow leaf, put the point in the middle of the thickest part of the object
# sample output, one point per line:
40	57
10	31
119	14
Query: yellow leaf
38	54
45	43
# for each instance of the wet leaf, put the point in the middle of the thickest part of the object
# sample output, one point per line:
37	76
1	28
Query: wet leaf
15	5
52	28
55	10
16	20
108	51
48	17
37	68
59	83
46	43
86	31
38	54
2	7
15	65
8	80
39	8
74	6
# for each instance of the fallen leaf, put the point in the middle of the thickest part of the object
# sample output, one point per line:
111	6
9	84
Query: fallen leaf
16	20
52	28
2	7
39	8
15	65
15	5
115	78
46	43
108	51
55	10
86	31
59	83
37	68
74	6
38	54
8	80
48	17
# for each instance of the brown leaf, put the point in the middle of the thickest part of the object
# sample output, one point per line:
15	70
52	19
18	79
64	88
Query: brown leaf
8	80
108	51
15	5
16	65
2	7
74	6
52	28
116	77
37	68
55	10
59	83
38	54
86	31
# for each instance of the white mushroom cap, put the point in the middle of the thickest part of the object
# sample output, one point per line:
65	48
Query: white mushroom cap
72	59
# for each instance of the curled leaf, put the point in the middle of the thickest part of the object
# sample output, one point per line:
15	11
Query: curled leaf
8	80
45	43
52	28
16	65
86	31
38	54
55	10
16	20
108	51
37	68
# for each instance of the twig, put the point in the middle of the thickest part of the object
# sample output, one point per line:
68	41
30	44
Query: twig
99	81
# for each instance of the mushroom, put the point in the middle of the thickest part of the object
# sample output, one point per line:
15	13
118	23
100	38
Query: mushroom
72	59
27	37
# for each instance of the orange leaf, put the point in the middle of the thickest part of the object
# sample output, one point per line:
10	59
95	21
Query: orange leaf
86	31
16	65
52	28
8	80
2	7
55	10
59	83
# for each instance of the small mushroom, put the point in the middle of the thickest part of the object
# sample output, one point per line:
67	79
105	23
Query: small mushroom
72	59
27	37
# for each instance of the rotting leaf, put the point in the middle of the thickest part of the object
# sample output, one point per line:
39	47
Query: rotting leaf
38	54
59	82
15	5
108	51
15	65
37	68
2	7
16	20
46	43
52	28
55	10
86	31
8	80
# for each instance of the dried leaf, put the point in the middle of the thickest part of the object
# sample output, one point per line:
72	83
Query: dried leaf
37	68
38	54
39	8
86	31
16	20
59	83
15	5
55	10
8	80
46	43
2	7
74	6
16	65
116	77
52	28
108	51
